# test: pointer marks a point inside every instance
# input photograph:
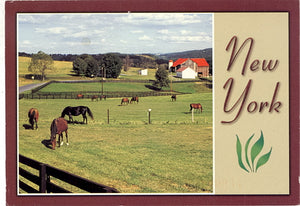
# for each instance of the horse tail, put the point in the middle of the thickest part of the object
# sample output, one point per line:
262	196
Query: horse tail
31	114
191	107
201	107
53	129
90	112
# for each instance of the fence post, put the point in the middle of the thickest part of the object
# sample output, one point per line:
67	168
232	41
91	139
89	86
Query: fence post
43	178
107	116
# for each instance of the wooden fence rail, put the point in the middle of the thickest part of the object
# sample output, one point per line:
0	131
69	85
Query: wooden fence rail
89	94
43	180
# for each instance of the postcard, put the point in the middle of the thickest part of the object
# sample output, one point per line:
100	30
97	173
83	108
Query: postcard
153	103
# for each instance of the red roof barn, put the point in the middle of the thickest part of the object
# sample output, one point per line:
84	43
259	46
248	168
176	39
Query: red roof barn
199	65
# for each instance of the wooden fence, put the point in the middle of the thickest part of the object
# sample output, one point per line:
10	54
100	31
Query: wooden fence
88	95
43	181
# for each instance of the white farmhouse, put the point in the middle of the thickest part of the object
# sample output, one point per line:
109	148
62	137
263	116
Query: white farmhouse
186	73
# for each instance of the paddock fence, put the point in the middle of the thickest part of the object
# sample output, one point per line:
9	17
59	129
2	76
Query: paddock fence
89	94
47	173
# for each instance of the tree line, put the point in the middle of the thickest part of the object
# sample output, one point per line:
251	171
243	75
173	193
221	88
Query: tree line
109	66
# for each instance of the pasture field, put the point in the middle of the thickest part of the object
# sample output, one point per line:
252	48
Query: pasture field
189	87
170	155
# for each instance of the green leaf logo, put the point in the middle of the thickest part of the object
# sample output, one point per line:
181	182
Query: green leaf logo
254	152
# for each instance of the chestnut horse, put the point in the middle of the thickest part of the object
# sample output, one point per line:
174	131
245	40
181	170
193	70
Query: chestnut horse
102	97
33	116
58	126
79	96
94	97
196	106
134	99
124	101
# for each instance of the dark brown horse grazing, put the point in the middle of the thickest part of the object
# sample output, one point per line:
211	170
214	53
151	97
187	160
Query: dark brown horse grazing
173	97
196	106
75	111
58	126
33	116
79	96
125	101
94	97
134	99
102	97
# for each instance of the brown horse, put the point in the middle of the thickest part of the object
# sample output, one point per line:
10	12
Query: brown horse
33	116
102	97
94	97
173	97
134	99
196	106
125	101
58	126
79	96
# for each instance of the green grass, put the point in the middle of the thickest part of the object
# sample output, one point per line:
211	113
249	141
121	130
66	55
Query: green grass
190	87
171	155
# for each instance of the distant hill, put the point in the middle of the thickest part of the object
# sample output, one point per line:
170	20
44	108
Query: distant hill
205	53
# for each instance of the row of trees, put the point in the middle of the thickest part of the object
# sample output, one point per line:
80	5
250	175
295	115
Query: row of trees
109	66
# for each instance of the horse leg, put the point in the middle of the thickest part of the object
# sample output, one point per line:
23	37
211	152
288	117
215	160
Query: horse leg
53	143
67	138
36	125
62	139
84	118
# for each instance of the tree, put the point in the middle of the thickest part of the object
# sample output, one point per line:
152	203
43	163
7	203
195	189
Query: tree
162	79
40	63
86	65
79	66
112	65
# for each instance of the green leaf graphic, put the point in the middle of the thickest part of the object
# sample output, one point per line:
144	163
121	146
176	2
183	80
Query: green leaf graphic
256	148
263	159
239	153
246	151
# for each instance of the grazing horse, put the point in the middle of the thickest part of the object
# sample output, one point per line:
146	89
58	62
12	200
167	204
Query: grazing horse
134	99
33	116
173	97
125	101
75	111
94	97
102	97
196	106
58	126
79	96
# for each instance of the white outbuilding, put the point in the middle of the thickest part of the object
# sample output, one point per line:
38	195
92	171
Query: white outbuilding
186	73
143	72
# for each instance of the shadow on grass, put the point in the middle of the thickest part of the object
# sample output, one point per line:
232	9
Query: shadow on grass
27	126
47	143
75	122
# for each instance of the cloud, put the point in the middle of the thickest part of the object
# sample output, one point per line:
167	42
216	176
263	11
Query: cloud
52	30
137	31
163	31
145	38
162	18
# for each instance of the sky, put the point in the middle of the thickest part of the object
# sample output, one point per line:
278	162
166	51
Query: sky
99	33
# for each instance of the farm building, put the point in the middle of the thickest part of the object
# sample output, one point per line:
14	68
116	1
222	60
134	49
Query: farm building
186	73
143	72
199	65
